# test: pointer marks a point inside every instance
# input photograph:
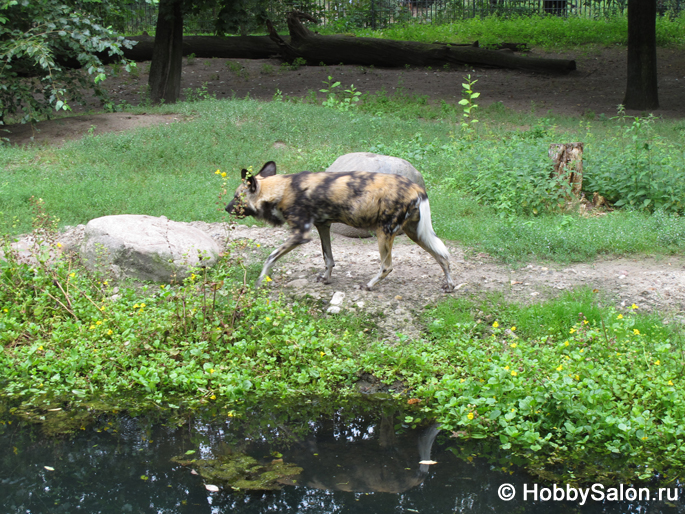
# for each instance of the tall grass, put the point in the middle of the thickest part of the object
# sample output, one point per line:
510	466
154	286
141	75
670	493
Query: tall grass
548	32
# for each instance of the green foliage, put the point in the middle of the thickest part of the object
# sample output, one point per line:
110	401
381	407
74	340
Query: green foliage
549	32
333	100
198	94
68	333
468	104
638	169
601	389
37	39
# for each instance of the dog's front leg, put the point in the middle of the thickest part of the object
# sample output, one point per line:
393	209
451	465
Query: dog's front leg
296	239
385	249
325	235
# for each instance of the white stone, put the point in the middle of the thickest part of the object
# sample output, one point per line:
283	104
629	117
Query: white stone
147	248
338	298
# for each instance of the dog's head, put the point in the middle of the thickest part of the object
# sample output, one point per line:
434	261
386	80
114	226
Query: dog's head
246	197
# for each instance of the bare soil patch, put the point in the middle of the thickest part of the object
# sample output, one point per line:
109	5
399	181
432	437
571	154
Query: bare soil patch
595	88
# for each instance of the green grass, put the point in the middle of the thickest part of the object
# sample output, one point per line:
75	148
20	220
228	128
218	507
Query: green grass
547	32
170	170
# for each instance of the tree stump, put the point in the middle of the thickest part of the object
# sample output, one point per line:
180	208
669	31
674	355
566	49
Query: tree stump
568	165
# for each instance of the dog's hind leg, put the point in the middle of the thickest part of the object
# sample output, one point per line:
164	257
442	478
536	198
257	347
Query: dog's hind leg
421	232
325	235
385	249
298	238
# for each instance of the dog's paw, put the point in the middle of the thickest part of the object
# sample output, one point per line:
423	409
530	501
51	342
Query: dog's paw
322	278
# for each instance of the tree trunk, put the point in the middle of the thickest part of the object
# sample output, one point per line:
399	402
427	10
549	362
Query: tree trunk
568	165
332	50
642	90
165	70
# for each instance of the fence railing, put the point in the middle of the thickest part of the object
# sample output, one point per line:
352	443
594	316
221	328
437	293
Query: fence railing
376	14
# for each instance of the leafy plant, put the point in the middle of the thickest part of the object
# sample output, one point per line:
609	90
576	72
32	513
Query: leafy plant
198	94
349	98
36	39
468	105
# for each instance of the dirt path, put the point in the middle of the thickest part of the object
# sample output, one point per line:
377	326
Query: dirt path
416	279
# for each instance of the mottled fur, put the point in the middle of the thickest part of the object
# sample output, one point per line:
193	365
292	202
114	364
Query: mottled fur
381	202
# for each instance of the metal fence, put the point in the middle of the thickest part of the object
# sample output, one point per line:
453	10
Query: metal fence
345	15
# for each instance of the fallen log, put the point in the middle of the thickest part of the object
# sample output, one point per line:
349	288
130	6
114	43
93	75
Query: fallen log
331	50
233	47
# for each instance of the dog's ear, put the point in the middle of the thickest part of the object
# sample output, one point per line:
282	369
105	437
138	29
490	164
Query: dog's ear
243	174
268	170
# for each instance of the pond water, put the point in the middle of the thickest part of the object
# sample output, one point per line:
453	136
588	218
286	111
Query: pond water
353	460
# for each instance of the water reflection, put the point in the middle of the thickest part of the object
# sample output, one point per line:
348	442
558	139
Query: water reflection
354	461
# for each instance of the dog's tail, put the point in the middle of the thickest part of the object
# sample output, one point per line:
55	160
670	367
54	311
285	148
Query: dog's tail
425	231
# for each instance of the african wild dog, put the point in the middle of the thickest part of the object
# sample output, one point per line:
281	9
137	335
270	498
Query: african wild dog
360	199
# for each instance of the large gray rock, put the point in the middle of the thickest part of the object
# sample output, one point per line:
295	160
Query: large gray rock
366	161
146	248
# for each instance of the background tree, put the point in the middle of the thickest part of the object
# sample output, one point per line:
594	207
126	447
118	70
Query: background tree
49	52
641	90
165	70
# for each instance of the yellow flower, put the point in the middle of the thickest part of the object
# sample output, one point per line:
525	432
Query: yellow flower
142	305
213	397
217	172
98	322
470	415
506	367
560	367
620	316
513	329
572	331
670	382
514	345
495	325
109	332
40	347
634	306
59	245
636	332
72	275
644	438
585	322
513	373
268	279
92	327
577	377
211	371
322	354
657	363
566	343
223	174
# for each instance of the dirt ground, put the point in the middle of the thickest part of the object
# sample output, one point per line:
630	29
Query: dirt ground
595	88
